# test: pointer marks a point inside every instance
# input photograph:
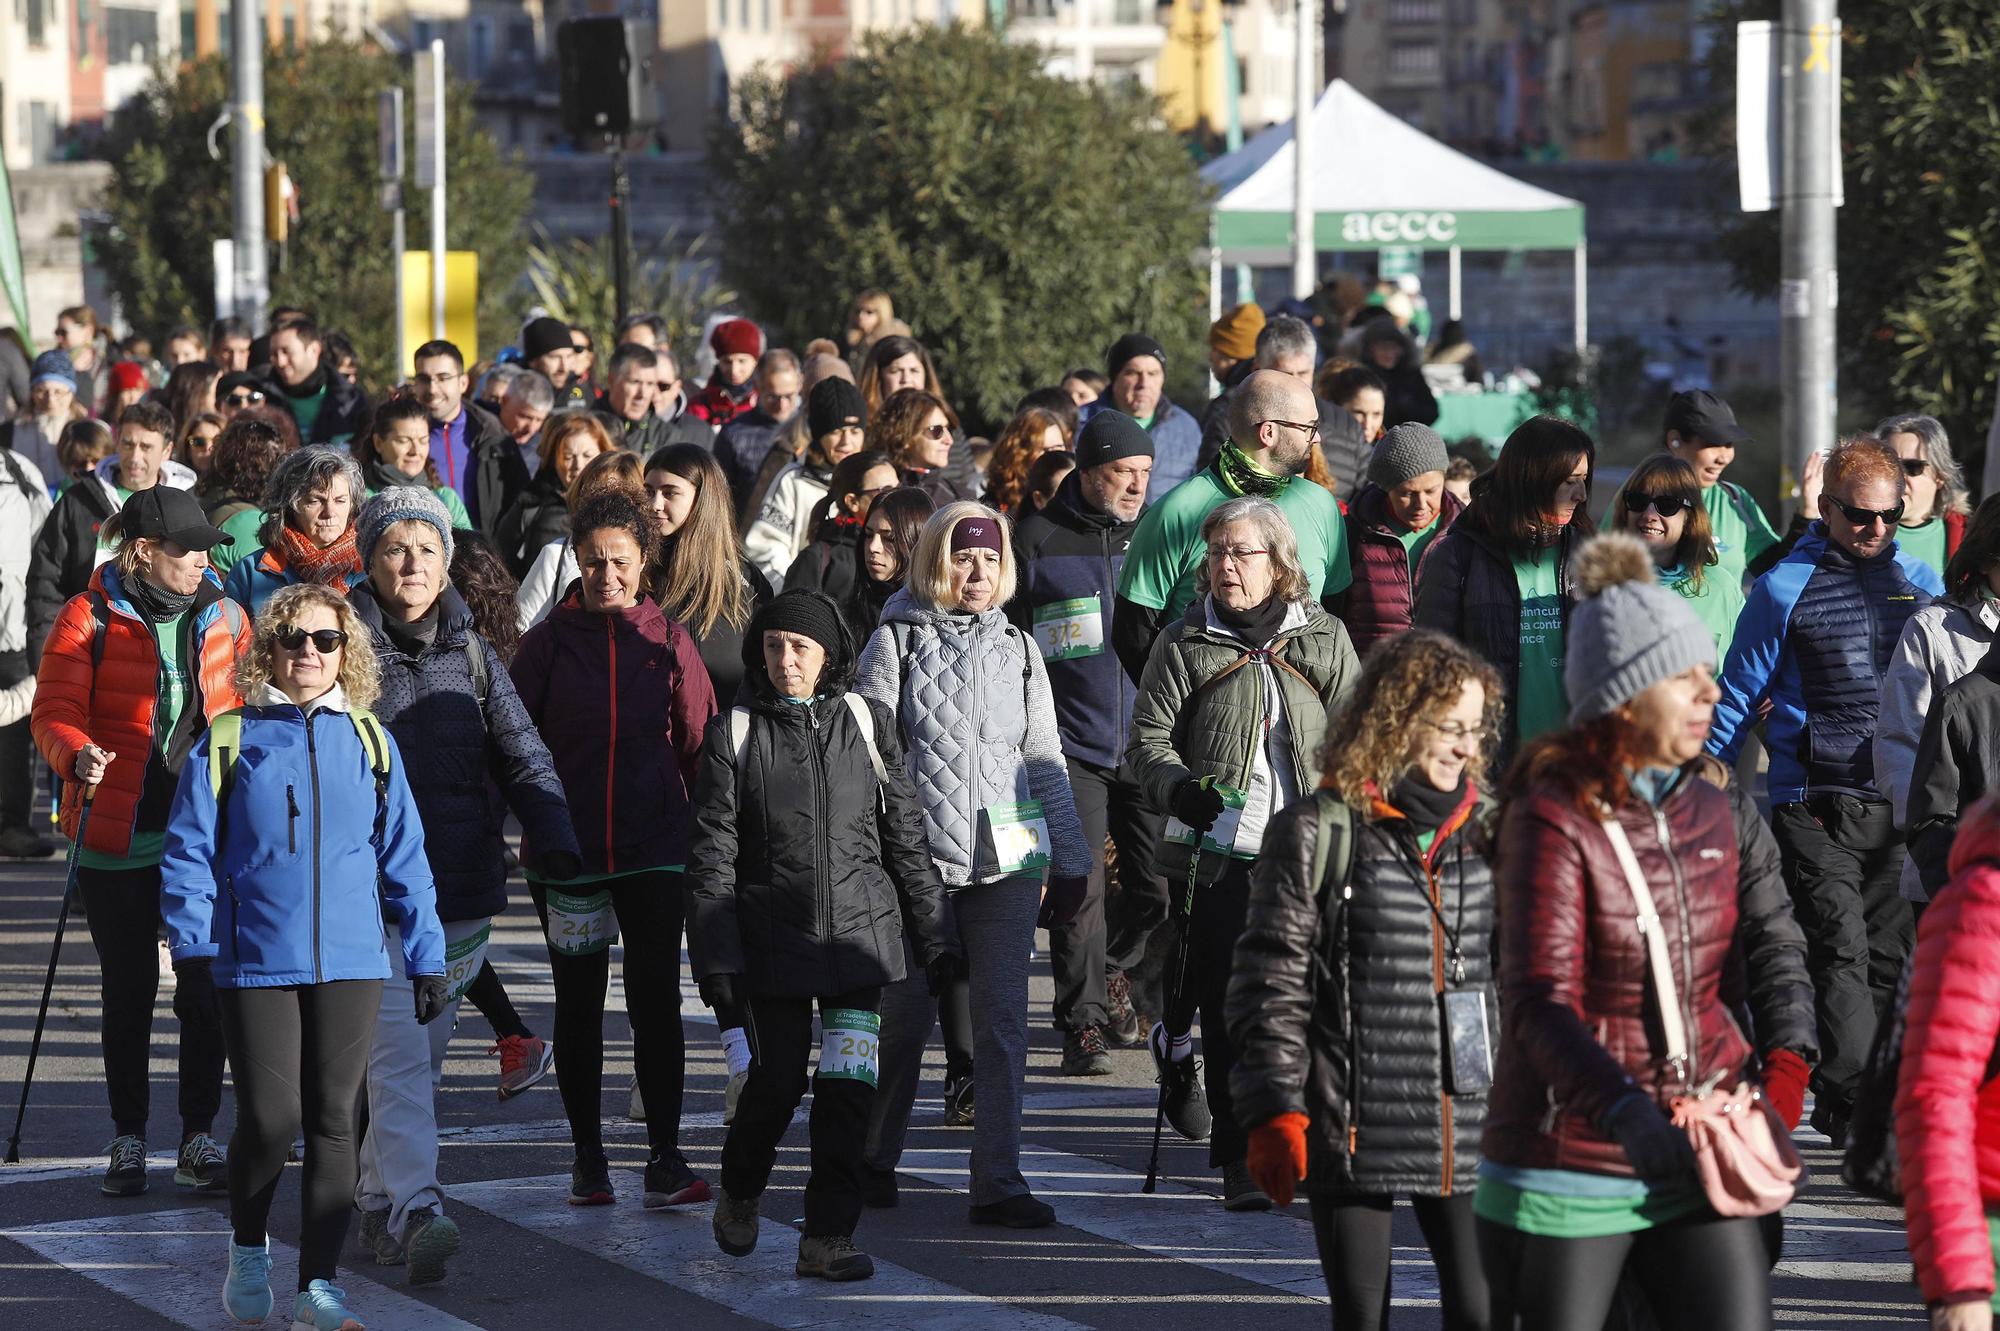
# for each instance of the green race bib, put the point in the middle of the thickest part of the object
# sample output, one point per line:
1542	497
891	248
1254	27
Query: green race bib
1067	630
579	926
1013	838
850	1045
462	961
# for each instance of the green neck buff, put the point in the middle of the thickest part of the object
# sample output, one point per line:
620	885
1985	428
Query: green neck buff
1241	474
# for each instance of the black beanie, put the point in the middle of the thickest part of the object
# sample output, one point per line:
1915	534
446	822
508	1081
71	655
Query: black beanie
1132	345
544	335
834	402
800	610
1110	435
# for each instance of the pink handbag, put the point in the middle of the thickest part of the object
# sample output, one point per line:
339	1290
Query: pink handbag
1745	1158
1743	1155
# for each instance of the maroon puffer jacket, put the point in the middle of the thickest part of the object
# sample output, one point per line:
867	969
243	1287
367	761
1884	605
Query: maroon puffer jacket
1381	602
1573	984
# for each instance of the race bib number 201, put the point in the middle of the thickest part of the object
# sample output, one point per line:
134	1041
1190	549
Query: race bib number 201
850	1045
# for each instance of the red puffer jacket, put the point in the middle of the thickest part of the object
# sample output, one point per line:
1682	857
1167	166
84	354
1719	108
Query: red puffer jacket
1381	602
1573	982
1947	1105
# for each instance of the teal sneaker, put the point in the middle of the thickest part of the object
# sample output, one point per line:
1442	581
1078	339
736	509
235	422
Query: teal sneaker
246	1294
322	1306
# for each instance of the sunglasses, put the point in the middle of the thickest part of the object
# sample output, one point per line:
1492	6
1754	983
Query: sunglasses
244	398
1915	467
1665	505
325	641
1863	517
936	431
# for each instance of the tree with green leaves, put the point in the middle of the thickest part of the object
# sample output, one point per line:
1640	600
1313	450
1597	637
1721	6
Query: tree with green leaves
169	200
1920	229
1020	222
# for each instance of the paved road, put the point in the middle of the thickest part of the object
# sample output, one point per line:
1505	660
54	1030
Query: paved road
70	1258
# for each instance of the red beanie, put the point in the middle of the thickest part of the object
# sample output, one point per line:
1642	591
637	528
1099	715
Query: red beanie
737	337
128	375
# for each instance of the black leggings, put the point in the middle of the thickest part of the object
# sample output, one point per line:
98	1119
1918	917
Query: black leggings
1701	1274
650	910
122	907
300	1055
1353	1237
490	996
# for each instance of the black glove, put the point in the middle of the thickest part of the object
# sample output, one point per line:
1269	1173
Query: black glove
559	865
1062	902
1196	804
718	991
1656	1148
941	970
430	992
192	966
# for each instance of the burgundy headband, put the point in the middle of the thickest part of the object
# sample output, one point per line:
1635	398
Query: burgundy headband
976	534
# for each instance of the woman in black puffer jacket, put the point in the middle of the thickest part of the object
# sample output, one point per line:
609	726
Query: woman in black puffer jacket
1370	925
809	853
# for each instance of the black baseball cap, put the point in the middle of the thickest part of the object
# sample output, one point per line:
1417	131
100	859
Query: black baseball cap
164	513
1701	414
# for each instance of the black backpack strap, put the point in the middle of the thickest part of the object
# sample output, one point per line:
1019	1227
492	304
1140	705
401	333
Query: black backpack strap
478	667
29	490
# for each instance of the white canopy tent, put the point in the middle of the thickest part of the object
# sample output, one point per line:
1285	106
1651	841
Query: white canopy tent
1378	182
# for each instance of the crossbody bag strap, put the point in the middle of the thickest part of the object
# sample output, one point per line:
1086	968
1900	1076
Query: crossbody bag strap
1658	960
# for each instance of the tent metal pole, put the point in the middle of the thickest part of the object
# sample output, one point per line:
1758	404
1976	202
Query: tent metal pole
1582	297
1306	86
1457	312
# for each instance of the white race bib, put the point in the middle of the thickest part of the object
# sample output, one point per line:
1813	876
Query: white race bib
579	926
462	961
1070	629
1221	838
850	1047
1013	839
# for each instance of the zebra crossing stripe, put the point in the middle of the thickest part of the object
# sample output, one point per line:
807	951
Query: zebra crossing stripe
677	1248
173	1262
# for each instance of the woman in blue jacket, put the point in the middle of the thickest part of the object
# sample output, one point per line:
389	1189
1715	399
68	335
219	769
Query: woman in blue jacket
287	817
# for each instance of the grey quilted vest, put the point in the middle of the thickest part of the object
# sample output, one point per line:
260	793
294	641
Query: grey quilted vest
960	698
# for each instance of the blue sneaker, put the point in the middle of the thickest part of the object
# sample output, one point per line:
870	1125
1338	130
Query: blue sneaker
246	1294
322	1306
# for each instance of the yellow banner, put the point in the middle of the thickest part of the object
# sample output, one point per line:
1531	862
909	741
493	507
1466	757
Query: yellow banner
461	302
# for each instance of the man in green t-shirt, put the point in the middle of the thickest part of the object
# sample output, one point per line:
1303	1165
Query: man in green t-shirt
1702	431
1273	421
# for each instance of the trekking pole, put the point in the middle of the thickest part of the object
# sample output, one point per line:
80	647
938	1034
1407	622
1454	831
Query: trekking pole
48	982
1180	968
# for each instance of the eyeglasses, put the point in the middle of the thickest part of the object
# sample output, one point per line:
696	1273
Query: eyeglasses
247	397
1665	505
1454	731
935	431
1915	467
1865	517
1240	553
326	641
1310	428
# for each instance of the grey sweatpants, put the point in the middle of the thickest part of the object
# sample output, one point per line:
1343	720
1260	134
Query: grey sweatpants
996	926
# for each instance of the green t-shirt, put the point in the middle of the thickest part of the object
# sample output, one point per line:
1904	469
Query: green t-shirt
1925	541
1742	532
1717	604
175	688
242	528
1540	704
1167	550
305	410
1414	543
460	519
1583	1215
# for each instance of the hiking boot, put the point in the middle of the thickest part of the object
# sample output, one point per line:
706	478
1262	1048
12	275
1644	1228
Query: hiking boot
1123	1029
832	1257
735	1225
1238	1192
24	843
1021	1211
375	1239
958	1101
429	1240
671	1182
246	1290
590	1183
1180	1089
878	1187
1084	1054
201	1165
524	1060
125	1176
322	1306
737	1080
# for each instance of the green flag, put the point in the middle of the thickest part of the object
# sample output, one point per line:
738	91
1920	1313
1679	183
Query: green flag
12	278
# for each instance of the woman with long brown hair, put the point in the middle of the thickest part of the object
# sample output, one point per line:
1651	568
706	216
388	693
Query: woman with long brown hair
700	576
232	490
394	448
914	428
1660	503
190	391
195	449
1370	917
1033	432
895	363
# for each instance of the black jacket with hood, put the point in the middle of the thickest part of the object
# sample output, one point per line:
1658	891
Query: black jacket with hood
804	866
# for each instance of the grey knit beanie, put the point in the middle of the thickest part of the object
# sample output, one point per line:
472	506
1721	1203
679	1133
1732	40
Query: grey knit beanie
1630	632
1408	450
400	503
